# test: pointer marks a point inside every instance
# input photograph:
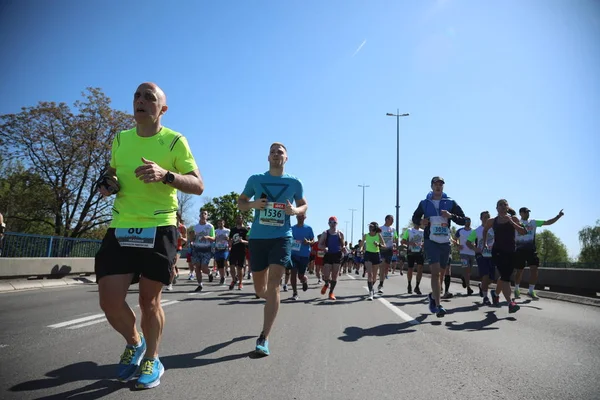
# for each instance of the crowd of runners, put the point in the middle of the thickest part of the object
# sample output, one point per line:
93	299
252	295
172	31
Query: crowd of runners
150	163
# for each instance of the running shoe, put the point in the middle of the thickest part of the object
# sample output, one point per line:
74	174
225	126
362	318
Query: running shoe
151	371
513	307
130	360
262	346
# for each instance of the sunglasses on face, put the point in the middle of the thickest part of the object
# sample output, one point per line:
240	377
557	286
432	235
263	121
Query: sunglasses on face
332	222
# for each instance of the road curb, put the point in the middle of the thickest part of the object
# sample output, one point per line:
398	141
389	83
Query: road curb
26	284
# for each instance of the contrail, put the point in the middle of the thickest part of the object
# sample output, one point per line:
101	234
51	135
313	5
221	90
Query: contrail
359	47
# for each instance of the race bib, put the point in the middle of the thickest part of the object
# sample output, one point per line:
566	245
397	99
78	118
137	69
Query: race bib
321	253
439	231
272	215
222	245
415	249
486	253
136	237
296	245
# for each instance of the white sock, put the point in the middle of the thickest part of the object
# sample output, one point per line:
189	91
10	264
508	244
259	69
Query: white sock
517	287
531	287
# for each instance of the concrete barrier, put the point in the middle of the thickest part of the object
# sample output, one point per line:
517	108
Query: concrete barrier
584	282
51	267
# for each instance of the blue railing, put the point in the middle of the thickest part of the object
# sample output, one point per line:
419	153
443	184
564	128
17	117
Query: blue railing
26	245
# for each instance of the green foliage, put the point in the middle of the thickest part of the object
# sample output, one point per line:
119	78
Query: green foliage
550	248
589	237
68	150
25	200
225	207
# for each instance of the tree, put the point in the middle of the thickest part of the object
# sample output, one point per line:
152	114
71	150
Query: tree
550	248
25	201
225	207
69	150
185	201
589	237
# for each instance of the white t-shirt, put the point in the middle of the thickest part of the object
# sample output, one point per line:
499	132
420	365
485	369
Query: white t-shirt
389	234
462	235
201	230
222	239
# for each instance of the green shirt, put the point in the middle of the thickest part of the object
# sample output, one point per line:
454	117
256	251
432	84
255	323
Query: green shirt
146	205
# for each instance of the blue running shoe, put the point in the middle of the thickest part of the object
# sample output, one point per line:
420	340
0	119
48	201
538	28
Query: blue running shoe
432	306
130	360
151	371
441	312
262	346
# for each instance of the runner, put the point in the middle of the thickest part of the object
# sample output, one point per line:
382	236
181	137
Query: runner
141	240
371	243
390	237
485	264
221	249
303	239
413	240
191	238
437	210
271	241
526	251
503	251
331	242
467	255
181	241
319	254
238	243
204	233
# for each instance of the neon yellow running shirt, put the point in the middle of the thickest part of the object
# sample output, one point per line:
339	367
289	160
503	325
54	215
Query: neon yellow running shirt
146	205
370	243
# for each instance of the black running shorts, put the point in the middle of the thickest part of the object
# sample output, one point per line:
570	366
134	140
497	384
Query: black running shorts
155	264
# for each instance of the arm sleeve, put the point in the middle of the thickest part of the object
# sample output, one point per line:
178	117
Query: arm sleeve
113	160
405	235
459	215
184	161
418	214
249	189
472	236
299	195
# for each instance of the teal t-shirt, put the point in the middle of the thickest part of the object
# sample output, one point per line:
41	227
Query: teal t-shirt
272	222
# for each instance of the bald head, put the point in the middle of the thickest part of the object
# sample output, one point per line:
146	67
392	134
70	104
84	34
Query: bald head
160	94
149	103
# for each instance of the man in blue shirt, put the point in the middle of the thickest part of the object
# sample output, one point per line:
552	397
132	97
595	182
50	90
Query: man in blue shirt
303	237
271	243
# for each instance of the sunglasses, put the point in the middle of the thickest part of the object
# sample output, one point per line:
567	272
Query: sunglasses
332	222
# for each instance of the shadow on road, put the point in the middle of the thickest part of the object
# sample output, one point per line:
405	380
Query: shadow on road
104	375
474	326
354	333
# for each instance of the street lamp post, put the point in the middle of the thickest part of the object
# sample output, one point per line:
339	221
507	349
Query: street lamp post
352	235
363	186
346	231
397	115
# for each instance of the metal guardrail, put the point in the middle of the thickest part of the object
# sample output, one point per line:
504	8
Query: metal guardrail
17	245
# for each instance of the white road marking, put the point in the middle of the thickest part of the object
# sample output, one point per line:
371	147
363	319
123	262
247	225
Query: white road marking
396	310
76	321
94	319
350	276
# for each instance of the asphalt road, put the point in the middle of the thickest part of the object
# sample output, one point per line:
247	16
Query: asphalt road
55	344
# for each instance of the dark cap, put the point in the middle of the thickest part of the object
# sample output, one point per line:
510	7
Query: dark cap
437	179
524	209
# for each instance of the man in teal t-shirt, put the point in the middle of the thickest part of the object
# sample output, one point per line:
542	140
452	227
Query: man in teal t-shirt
270	245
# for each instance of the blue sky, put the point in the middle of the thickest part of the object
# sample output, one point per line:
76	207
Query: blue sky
503	96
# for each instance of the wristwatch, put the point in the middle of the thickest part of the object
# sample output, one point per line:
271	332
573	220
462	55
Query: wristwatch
169	178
